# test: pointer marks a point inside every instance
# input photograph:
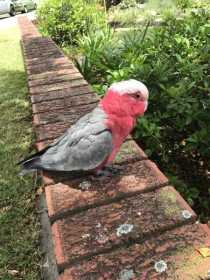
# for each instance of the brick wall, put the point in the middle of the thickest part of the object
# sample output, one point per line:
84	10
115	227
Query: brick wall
131	226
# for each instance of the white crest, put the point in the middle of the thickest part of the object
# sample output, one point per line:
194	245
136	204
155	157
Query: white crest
130	87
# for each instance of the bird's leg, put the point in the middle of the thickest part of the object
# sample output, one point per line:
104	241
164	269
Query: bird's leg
109	171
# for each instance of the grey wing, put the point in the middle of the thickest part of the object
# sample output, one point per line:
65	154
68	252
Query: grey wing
94	117
79	124
84	146
87	154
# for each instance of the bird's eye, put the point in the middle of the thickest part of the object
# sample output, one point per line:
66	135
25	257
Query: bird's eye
137	95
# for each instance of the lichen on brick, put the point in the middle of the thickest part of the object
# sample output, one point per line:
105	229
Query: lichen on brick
102	238
85	185
186	214
98	225
124	229
160	266
86	236
127	150
126	274
167	201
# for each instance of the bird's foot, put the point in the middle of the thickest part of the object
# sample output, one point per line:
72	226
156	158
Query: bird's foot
103	173
114	169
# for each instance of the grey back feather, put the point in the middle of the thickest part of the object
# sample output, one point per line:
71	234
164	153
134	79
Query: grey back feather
84	146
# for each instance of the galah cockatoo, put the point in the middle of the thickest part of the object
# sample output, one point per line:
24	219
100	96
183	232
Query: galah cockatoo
94	140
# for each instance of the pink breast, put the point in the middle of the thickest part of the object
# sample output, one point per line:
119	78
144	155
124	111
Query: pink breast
120	128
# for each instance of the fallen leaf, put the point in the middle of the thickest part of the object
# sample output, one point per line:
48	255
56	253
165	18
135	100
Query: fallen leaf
204	251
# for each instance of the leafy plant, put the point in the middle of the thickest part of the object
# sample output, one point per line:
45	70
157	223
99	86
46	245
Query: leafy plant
66	20
184	3
127	4
98	49
173	61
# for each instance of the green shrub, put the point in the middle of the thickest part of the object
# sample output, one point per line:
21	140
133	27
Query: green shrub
173	61
127	4
178	73
65	20
99	49
184	3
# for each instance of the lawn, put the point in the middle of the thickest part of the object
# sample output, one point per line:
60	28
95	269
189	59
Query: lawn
19	228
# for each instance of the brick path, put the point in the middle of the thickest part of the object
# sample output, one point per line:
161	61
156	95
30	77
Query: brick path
132	226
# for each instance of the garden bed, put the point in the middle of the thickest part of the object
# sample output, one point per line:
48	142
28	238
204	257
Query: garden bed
173	61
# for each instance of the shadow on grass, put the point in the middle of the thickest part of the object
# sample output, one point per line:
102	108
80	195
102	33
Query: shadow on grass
18	222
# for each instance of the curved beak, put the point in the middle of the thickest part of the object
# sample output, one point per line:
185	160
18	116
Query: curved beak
146	105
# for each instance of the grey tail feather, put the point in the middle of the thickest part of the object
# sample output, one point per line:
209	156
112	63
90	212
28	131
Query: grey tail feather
36	155
30	165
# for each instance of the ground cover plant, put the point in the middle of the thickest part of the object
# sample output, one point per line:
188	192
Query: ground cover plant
173	61
19	256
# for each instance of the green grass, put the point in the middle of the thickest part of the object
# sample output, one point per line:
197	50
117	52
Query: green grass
19	228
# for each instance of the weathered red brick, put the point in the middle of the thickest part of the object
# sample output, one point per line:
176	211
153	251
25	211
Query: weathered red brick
39	41
176	248
133	177
50	61
46	68
56	86
39	45
52	74
51	130
58	123
101	228
32	54
53	53
55	79
56	94
40	145
64	105
129	151
46	106
36	120
27	28
206	228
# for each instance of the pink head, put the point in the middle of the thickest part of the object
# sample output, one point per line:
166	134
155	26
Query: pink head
126	98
